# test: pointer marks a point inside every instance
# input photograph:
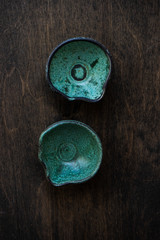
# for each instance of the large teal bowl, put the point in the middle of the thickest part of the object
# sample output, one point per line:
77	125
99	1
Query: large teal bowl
70	151
79	68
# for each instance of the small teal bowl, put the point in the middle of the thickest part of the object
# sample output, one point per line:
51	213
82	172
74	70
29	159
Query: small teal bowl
79	69
70	151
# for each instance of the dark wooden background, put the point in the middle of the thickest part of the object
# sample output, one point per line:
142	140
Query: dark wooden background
123	200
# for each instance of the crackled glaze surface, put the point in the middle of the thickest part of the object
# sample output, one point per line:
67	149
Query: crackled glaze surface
70	151
79	69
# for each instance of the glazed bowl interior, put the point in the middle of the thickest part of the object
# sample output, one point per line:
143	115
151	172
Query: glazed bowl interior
79	69
71	152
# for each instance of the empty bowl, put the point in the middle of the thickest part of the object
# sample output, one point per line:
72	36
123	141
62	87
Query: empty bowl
79	68
70	151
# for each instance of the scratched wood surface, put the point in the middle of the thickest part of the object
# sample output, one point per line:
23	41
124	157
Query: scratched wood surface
123	200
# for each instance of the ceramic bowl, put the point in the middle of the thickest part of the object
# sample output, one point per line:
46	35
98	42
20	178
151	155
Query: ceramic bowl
79	68
70	151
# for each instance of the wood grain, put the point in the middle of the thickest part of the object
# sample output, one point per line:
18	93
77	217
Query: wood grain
123	200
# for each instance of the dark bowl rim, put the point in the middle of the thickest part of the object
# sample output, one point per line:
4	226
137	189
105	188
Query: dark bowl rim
71	40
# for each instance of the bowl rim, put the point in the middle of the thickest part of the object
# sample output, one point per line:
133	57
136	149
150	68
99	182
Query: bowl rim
72	40
88	128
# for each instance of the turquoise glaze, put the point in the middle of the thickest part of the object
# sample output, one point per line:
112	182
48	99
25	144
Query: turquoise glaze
79	69
71	152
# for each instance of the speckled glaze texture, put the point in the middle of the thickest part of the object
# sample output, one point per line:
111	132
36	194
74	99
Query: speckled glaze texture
79	68
70	151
